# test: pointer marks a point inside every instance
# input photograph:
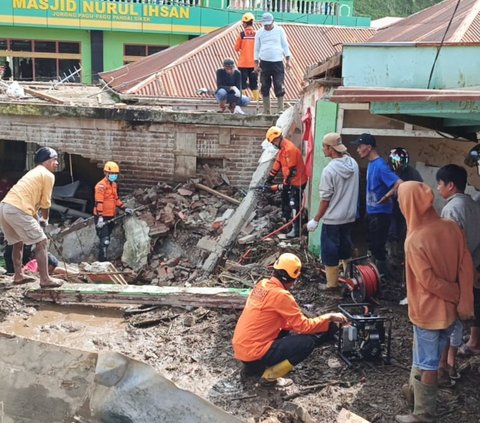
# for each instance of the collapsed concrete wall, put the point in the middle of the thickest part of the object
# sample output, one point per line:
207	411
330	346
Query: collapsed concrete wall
45	383
150	145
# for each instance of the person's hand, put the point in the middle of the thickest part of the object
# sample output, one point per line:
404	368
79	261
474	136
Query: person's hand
385	199
288	66
257	69
236	91
42	221
129	211
100	222
312	225
337	318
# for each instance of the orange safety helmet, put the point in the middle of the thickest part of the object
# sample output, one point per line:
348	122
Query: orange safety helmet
247	17
273	132
111	167
290	263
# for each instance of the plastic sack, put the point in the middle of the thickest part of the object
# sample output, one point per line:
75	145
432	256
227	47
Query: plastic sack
15	90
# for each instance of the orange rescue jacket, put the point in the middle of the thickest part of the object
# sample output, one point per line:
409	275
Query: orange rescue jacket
106	199
288	158
270	308
245	44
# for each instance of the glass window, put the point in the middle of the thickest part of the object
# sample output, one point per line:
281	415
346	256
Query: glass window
155	49
73	48
45	69
135	50
3	44
21	45
45	46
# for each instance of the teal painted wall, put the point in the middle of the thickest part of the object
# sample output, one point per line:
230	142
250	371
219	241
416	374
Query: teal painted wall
113	43
409	66
325	122
83	37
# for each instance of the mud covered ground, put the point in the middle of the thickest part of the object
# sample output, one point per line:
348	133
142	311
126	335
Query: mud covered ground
192	348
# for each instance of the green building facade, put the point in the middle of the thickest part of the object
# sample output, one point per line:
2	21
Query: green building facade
44	40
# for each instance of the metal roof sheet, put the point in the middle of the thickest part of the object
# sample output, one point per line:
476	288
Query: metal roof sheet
429	25
179	71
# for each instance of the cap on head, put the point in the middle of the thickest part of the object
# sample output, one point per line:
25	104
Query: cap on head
111	167
267	19
272	133
228	63
334	140
290	263
43	154
366	139
248	17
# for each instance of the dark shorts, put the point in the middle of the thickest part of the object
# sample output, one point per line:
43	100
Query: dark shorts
476	307
335	243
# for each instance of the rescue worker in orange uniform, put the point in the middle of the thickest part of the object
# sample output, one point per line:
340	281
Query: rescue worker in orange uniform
262	338
290	161
245	44
106	203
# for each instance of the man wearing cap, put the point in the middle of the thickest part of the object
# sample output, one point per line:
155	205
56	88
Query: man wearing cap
271	46
23	212
229	88
245	45
382	183
338	206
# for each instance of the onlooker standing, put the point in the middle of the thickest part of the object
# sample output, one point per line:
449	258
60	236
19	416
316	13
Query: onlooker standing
7	71
20	219
271	46
229	88
338	206
290	161
245	44
381	185
439	290
398	161
460	207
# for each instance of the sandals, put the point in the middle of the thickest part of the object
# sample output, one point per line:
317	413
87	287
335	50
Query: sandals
453	372
465	351
52	283
26	279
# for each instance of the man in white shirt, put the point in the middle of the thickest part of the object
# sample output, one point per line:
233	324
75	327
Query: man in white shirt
271	46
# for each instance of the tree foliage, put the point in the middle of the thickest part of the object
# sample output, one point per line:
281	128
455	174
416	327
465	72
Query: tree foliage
381	8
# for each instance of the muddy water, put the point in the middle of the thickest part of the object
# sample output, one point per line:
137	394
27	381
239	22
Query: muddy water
69	326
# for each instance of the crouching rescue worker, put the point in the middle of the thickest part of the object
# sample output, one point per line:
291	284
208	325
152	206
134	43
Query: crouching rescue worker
262	338
106	203
290	161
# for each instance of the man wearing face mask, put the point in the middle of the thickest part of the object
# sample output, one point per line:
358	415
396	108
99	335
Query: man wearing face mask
106	203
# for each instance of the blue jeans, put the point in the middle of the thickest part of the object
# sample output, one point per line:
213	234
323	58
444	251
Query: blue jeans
222	95
336	243
428	346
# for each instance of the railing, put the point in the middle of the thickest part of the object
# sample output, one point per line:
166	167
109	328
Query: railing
284	6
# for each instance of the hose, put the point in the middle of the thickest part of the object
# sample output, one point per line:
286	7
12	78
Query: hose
370	279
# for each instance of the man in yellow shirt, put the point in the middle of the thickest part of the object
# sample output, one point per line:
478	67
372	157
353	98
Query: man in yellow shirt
25	210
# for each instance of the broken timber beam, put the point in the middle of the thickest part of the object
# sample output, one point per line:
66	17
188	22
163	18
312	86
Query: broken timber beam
249	203
71	293
346	416
43	96
218	194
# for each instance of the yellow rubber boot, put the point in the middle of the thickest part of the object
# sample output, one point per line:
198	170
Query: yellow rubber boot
332	276
255	95
344	266
273	373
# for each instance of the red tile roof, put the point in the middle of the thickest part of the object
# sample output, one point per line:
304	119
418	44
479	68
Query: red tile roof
179	71
429	25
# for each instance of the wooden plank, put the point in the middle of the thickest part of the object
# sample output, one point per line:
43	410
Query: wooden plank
346	416
218	194
71	293
43	96
322	68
